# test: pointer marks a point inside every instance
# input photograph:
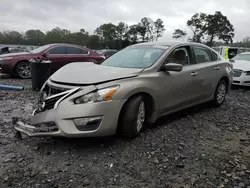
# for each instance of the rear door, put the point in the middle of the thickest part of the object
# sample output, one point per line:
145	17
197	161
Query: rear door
57	55
208	70
75	54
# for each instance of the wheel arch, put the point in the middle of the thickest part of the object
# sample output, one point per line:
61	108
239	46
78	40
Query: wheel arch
150	104
226	79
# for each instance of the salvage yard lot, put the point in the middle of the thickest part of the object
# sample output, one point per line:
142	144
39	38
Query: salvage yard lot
199	147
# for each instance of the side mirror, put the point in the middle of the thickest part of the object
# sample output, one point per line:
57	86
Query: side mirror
173	67
231	60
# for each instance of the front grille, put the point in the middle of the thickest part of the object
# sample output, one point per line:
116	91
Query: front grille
45	127
54	91
237	73
50	102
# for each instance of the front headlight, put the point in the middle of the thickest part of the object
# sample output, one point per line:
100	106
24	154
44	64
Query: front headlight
247	73
105	94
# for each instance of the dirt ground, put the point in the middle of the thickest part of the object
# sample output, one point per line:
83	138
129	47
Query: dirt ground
201	147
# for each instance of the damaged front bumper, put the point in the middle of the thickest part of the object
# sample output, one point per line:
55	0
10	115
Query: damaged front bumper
65	119
37	131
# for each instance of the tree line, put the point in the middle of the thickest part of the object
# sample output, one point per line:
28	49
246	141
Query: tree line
107	35
210	29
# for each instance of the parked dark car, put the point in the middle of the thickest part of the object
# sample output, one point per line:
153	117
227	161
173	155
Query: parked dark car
7	49
60	54
106	52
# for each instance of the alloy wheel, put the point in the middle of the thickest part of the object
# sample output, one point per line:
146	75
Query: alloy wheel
221	93
140	116
23	70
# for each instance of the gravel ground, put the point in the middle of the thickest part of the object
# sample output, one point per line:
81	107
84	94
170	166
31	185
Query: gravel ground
199	147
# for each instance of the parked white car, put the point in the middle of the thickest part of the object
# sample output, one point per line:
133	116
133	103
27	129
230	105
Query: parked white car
241	69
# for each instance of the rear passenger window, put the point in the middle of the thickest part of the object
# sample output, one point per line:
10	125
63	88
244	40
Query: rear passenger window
73	50
84	51
202	55
58	50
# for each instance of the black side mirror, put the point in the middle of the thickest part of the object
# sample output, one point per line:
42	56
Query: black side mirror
173	67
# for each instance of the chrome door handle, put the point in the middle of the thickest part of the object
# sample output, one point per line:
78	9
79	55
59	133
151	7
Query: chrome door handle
193	74
216	68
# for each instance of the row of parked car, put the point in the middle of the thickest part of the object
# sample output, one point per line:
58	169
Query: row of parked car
17	63
127	91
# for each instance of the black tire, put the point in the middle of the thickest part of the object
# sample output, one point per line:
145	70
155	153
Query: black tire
128	126
25	65
218	101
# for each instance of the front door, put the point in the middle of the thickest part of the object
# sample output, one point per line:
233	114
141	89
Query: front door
178	87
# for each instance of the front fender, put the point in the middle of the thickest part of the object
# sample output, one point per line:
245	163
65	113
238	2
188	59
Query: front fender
133	86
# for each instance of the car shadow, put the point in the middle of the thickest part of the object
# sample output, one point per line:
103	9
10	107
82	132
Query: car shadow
244	88
182	114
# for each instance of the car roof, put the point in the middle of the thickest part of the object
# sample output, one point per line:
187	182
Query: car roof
248	53
168	43
67	44
107	50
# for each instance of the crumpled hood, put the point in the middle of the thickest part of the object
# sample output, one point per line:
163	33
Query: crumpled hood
242	65
83	73
13	54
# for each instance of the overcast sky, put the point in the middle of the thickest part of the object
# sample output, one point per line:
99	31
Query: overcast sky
22	15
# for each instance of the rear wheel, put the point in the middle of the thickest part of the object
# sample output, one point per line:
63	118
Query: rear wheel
133	117
220	93
23	70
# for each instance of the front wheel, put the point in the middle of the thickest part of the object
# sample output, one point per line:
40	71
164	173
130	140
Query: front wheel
23	70
133	117
220	93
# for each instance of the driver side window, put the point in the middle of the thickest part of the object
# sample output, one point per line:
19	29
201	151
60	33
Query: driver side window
180	56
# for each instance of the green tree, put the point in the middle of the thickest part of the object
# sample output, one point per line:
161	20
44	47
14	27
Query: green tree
179	34
93	42
58	35
34	37
196	24
145	29
12	37
159	28
218	26
108	34
132	34
122	29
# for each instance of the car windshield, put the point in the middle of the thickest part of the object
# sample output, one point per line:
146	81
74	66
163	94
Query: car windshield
40	49
245	57
135	57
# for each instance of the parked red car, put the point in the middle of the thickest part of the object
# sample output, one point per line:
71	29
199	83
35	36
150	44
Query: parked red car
59	54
